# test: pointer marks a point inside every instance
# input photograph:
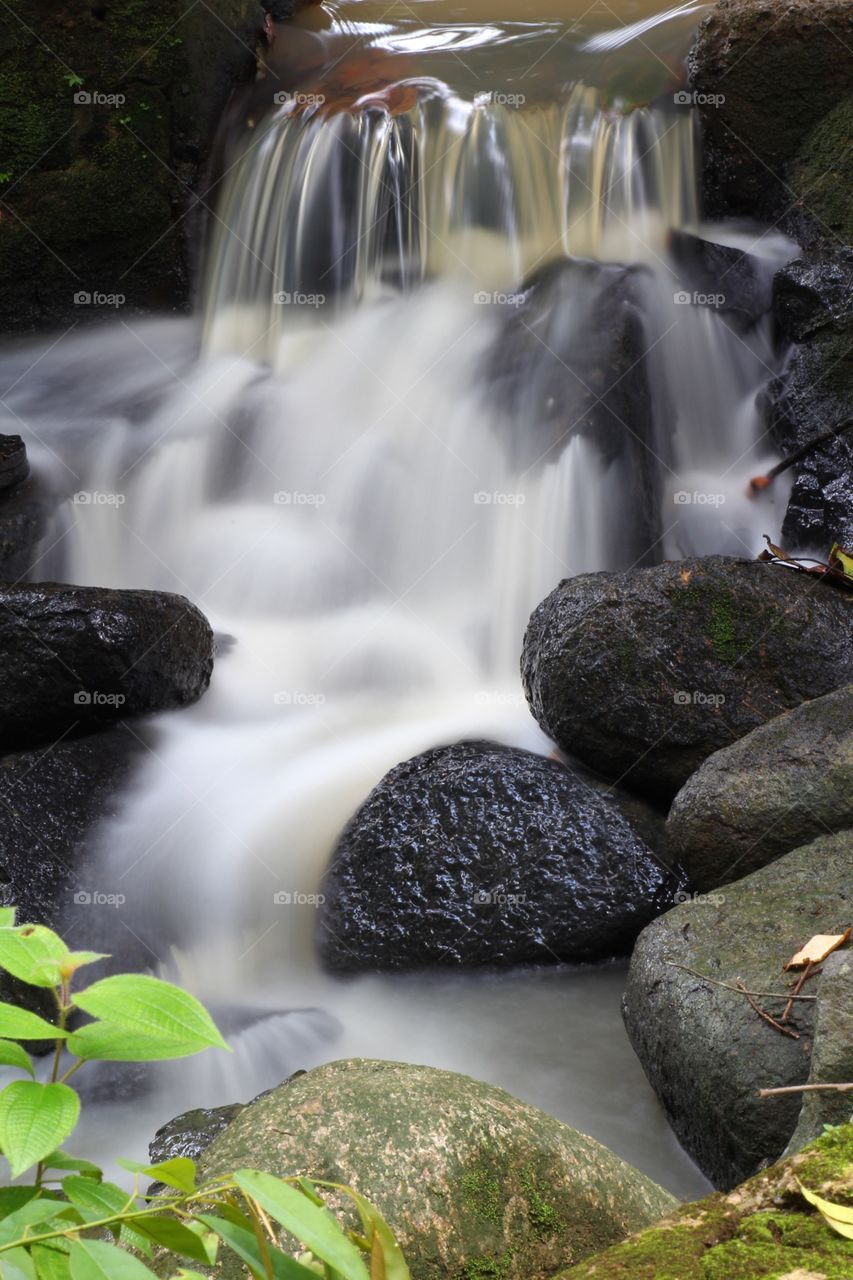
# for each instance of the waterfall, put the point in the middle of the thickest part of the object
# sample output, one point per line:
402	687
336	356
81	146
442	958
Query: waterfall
345	474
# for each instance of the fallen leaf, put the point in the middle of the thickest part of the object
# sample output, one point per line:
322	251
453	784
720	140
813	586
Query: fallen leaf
818	948
837	1216
841	559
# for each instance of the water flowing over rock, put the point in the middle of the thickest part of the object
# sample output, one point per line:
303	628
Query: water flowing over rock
643	675
472	1181
704	1049
763	1228
478	854
72	657
784	784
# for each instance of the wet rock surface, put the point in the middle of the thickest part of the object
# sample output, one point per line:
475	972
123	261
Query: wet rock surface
501	1188
571	358
832	1055
784	784
643	675
75	657
705	1051
478	854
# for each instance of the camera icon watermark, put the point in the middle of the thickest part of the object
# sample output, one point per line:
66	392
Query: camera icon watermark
682	298
296	299
497	299
692	98
494	98
87	98
294	498
95	898
85	299
296	100
711	899
698	498
484	499
497	898
698	698
288	898
93	698
297	698
95	498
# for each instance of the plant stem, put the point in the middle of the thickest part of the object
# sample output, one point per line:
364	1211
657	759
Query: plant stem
804	1088
727	986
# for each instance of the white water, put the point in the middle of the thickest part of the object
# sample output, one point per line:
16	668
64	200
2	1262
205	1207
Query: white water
334	490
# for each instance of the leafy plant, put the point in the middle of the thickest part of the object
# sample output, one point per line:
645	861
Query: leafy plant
70	1224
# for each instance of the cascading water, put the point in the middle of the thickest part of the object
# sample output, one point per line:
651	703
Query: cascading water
367	526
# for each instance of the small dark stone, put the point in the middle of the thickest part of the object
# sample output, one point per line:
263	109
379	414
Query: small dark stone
478	854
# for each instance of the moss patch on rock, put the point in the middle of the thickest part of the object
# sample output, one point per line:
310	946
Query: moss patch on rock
763	1229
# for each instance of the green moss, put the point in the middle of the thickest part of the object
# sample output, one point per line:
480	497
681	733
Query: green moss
542	1216
822	174
488	1268
724	631
830	1163
481	1192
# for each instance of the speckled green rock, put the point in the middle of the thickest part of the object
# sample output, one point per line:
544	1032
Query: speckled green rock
782	785
763	1229
705	1051
476	1184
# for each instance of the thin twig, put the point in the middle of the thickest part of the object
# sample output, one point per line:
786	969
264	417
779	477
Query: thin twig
798	986
804	1088
786	1031
727	986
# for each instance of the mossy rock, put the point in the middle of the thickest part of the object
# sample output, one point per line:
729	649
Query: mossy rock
475	1184
763	1229
99	196
705	1051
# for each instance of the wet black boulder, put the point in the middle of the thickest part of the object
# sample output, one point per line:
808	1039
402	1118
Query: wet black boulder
643	675
75	657
480	854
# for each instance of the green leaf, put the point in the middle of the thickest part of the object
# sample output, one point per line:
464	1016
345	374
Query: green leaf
33	954
34	1119
51	1263
12	1055
315	1227
20	1024
382	1239
97	1260
97	1200
34	1213
7	917
178	1173
79	959
17	1264
245	1245
103	1042
148	1006
177	1238
61	1160
12	1198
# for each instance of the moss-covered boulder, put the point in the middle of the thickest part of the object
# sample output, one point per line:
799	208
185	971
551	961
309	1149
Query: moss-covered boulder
766	73
643	675
106	120
763	1230
784	784
475	1183
703	1047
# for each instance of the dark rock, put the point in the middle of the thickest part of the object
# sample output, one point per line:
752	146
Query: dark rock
14	465
50	802
748	280
784	784
473	1182
832	1055
190	1134
643	675
764	1228
478	854
780	66
24	513
813	306
107	190
571	359
704	1049
72	657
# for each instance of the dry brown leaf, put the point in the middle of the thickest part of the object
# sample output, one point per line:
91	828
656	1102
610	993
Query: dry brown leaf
818	948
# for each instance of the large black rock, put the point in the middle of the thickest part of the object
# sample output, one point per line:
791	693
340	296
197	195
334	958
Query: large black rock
479	854
643	675
74	657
